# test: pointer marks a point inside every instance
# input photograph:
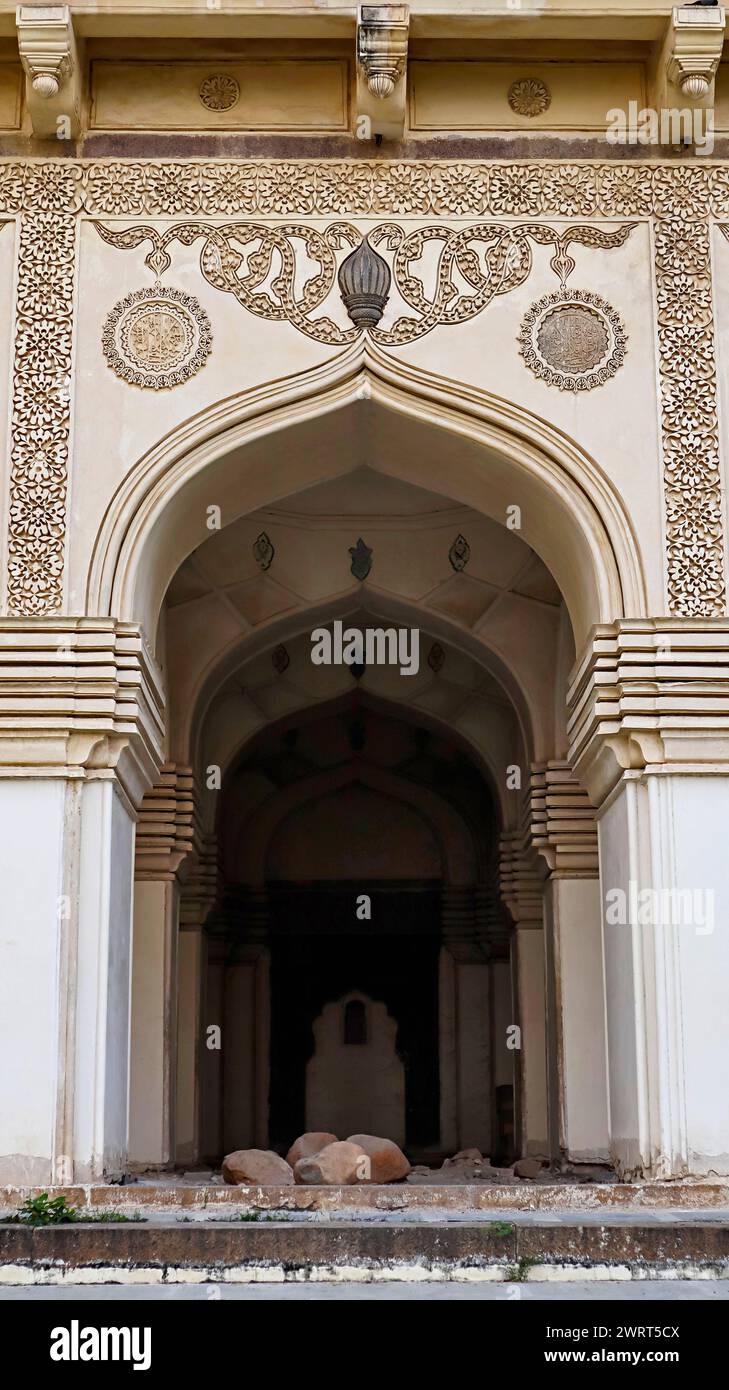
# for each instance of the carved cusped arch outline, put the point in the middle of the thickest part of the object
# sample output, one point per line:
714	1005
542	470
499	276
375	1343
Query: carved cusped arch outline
492	454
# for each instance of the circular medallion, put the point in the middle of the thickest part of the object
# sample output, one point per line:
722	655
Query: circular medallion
529	97
157	338
572	339
219	92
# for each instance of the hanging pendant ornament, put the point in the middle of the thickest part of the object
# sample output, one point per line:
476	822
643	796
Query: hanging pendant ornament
157	338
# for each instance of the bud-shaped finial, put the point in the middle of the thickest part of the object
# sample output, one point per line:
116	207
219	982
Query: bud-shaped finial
364	283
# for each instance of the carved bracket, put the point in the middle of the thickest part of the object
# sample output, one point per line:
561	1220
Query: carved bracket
689	60
47	49
382	53
167	829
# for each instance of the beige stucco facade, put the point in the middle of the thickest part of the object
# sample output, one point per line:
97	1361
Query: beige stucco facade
527	438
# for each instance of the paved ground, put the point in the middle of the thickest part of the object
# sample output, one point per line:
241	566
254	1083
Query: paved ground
635	1292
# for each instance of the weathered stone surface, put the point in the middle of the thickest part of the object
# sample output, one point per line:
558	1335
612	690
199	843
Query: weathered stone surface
466	1164
337	1163
502	1175
300	1245
387	1162
528	1167
462	1174
310	1143
257	1167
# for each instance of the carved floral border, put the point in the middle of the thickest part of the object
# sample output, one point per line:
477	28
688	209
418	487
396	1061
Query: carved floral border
165	188
41	413
48	194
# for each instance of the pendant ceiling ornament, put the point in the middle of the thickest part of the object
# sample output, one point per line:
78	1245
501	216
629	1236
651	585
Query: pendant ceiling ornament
573	339
157	337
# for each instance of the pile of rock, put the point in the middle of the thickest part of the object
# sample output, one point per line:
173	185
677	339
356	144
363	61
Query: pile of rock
470	1165
318	1159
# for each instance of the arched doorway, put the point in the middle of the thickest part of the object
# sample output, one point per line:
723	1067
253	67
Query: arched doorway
358	862
237	608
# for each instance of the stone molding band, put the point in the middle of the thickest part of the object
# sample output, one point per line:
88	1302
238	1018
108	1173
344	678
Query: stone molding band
80	698
649	695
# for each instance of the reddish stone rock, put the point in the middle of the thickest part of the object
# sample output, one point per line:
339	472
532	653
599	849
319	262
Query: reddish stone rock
527	1167
387	1162
257	1167
308	1144
338	1164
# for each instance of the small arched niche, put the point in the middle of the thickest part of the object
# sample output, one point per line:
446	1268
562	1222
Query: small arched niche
355	1080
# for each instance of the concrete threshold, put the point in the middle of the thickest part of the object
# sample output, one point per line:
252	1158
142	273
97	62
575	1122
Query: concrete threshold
698	1195
271	1251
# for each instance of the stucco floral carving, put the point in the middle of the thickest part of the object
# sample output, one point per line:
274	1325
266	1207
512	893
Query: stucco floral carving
219	92
351	187
692	478
41	412
529	96
50	193
243	258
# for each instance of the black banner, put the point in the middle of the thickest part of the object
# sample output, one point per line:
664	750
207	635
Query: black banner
209	1329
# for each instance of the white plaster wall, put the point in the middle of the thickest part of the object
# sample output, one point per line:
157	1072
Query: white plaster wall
31	858
101	1095
618	862
700	812
532	1019
575	907
152	1038
668	1023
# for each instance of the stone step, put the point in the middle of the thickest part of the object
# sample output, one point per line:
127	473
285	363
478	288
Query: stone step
163	1195
270	1250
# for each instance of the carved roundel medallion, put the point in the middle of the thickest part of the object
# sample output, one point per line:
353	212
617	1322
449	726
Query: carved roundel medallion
529	97
572	339
157	338
219	92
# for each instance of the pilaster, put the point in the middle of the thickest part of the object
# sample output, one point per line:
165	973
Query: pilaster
80	740
649	731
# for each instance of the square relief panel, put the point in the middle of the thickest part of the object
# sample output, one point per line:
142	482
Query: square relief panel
263	95
520	96
11	87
